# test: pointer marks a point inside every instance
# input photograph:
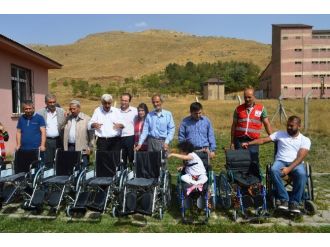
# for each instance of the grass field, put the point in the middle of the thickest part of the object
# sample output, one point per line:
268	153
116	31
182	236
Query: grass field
220	113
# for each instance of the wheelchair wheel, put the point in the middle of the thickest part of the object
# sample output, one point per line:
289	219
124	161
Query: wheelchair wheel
167	196
310	189
310	207
224	191
269	188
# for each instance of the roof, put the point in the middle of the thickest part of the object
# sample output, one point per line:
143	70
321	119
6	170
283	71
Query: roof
292	26
321	32
12	46
214	81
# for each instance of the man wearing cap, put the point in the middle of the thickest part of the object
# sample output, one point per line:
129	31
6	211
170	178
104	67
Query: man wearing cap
76	136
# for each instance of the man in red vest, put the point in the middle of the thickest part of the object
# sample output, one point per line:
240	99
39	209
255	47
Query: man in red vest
247	124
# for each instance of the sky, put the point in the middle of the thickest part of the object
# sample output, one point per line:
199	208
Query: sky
61	29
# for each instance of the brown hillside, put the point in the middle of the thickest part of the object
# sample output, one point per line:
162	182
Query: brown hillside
123	54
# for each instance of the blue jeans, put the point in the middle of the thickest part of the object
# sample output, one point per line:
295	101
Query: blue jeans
299	179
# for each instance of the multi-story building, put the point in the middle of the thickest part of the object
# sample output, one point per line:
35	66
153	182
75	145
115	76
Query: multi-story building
300	63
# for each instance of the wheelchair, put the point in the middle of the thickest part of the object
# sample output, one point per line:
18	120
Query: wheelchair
56	184
197	202
102	185
19	177
147	189
307	205
240	187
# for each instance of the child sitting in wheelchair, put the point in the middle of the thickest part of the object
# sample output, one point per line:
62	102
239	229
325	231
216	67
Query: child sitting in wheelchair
195	172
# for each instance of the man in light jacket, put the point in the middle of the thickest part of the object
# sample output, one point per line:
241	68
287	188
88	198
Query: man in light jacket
76	136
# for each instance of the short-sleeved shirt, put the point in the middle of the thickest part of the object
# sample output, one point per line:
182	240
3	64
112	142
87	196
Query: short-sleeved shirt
288	146
30	131
195	167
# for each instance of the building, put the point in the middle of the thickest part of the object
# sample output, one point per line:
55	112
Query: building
300	63
214	89
23	75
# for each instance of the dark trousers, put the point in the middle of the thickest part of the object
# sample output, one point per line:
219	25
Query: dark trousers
108	144
127	146
254	151
51	145
85	157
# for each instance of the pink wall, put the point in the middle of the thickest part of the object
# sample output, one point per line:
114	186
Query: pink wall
40	82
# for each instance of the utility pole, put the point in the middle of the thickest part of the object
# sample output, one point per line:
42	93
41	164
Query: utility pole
322	92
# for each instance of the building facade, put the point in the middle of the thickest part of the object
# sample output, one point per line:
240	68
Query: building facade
214	89
23	76
300	63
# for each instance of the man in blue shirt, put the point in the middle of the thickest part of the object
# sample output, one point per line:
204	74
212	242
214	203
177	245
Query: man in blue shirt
31	129
158	127
198	130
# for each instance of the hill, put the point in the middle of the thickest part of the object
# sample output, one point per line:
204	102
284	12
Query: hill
117	55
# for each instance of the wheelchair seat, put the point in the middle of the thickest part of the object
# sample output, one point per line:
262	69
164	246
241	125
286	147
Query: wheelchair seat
143	182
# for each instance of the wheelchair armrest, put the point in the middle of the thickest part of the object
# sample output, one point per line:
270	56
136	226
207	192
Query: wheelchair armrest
6	172
48	172
5	165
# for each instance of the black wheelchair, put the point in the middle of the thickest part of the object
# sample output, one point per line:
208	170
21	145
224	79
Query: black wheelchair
99	189
307	205
56	184
19	177
147	189
240	187
197	202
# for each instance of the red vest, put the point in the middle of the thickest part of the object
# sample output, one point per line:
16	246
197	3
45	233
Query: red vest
249	124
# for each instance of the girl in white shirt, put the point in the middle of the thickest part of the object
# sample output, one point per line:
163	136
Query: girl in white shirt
193	165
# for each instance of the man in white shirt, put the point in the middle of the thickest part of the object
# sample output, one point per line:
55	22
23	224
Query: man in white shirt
54	118
108	124
292	148
129	115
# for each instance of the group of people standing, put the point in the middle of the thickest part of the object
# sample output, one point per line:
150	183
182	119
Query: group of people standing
128	128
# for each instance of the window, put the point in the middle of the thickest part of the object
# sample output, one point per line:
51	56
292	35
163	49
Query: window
284	38
315	50
285	87
323	37
297	88
315	62
315	37
315	88
315	75
297	62
297	49
323	49
323	62
298	37
21	87
297	75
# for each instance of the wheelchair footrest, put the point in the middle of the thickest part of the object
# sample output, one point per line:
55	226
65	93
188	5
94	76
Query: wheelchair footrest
8	193
82	199
54	198
38	197
97	201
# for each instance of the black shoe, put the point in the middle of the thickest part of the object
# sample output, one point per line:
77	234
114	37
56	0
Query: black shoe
293	207
283	205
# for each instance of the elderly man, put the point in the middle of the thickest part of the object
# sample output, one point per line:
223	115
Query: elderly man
292	148
158	127
247	124
76	136
54	118
129	114
31	131
198	130
108	124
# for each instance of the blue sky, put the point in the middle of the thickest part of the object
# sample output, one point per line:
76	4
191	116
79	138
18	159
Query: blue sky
66	29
